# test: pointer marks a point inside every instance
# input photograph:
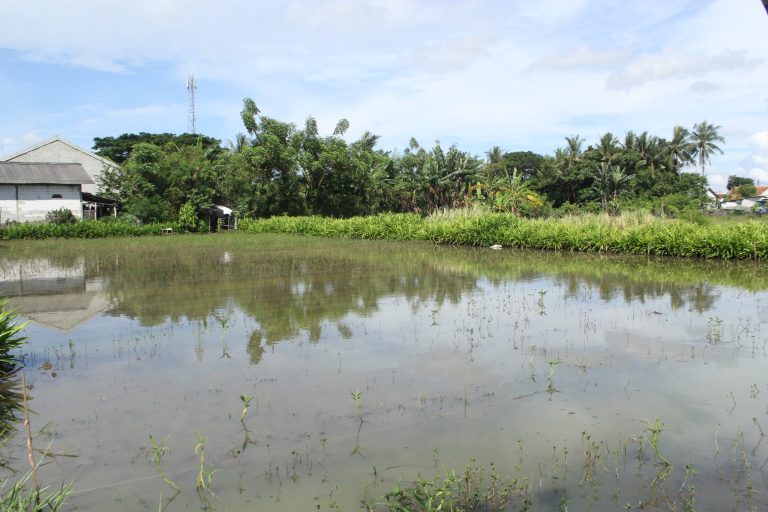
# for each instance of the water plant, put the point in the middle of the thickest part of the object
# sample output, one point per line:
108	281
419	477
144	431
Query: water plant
626	233
655	429
155	454
16	497
10	336
714	330
204	474
246	401
356	396
469	490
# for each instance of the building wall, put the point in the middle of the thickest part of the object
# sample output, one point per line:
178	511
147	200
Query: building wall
58	152
34	201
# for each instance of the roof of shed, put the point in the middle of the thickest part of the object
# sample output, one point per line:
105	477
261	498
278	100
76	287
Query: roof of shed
35	173
11	157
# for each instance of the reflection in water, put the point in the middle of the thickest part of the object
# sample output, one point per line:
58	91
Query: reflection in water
52	294
288	293
10	405
394	352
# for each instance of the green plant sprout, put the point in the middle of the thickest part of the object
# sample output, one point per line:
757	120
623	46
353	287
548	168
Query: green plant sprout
246	400
656	428
156	452
205	475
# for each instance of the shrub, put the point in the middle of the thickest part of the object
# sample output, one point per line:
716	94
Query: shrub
10	336
188	217
61	216
636	232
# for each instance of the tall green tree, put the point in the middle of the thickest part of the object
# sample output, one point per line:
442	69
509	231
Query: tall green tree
704	139
680	149
118	149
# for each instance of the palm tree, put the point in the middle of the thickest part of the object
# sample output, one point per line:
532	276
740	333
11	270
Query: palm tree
367	141
630	141
607	147
574	149
703	139
680	149
240	143
495	159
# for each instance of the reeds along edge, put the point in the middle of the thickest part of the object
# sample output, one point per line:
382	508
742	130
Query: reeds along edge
631	233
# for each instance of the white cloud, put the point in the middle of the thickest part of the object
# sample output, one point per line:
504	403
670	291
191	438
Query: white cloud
583	59
759	141
704	87
672	64
459	71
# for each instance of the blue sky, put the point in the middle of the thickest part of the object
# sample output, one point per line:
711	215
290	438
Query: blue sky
520	74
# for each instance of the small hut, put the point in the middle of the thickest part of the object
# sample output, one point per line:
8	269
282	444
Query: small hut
221	217
96	207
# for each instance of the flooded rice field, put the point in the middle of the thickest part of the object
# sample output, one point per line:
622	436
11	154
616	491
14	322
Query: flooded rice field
312	374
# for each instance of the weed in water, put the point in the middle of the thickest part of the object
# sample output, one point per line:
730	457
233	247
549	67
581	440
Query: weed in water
655	429
540	303
468	491
714	330
204	475
16	497
356	396
246	400
155	453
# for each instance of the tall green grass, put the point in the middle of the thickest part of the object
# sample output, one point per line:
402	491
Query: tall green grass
82	229
632	233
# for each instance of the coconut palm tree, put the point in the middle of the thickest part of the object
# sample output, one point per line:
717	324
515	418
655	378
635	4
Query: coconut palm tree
240	143
574	149
608	147
703	141
680	149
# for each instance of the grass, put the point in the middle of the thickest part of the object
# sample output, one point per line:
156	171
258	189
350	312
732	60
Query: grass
10	336
636	232
82	229
468	491
15	497
25	494
631	233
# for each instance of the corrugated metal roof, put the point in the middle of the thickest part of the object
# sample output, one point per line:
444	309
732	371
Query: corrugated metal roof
35	173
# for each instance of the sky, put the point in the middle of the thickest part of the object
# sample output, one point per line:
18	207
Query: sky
518	74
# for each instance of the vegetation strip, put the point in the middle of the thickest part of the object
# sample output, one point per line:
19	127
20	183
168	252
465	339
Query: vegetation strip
629	233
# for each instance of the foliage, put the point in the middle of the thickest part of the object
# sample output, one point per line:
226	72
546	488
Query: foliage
16	498
83	229
703	140
119	149
188	216
747	190
626	233
737	181
61	216
279	168
468	491
10	336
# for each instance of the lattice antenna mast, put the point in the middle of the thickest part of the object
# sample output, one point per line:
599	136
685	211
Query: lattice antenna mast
191	86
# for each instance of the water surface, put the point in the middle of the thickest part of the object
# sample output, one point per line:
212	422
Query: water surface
552	366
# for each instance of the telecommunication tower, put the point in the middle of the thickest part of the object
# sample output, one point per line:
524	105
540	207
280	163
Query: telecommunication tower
191	86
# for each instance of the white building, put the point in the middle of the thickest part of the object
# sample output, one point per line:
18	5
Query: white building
30	190
58	150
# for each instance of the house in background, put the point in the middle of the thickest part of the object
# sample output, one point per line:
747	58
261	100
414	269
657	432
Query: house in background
28	191
735	202
59	151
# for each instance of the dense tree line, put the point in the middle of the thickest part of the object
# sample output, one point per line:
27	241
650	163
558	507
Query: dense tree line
277	168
